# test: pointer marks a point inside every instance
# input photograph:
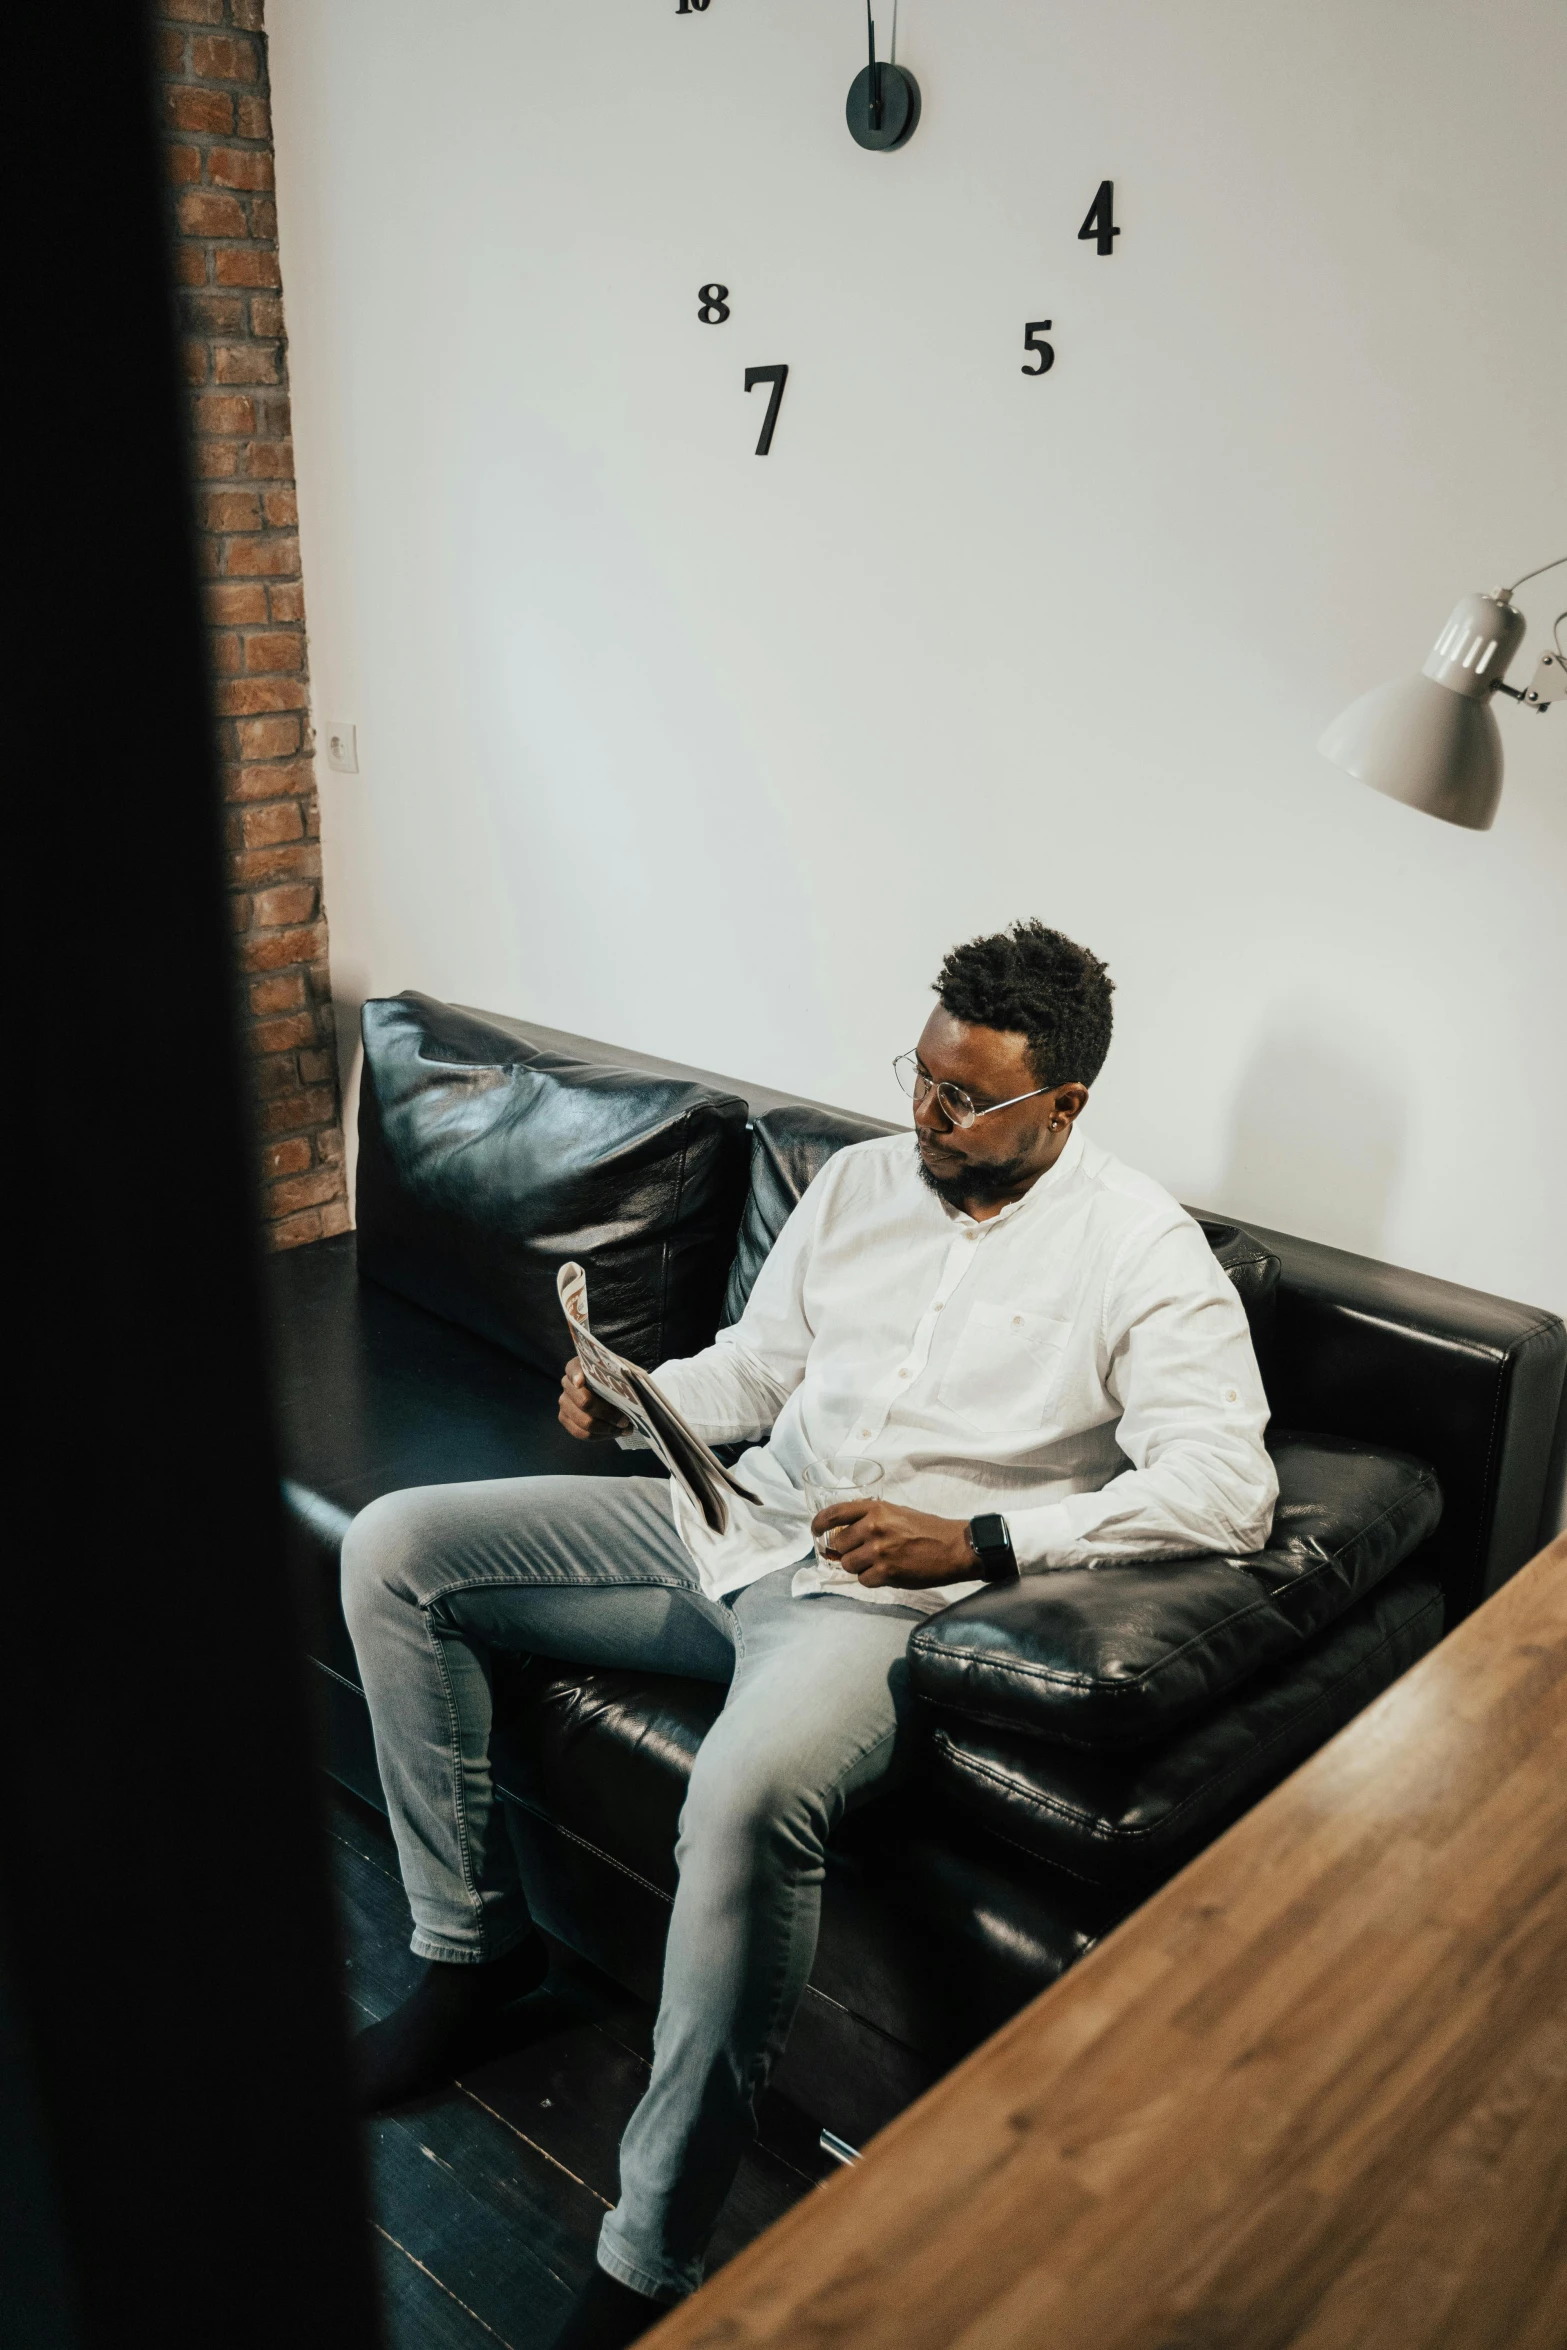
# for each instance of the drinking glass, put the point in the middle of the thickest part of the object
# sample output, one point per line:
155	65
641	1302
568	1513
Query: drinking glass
827	1482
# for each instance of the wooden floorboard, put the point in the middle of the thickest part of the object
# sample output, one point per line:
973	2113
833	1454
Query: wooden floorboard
419	2313
487	2199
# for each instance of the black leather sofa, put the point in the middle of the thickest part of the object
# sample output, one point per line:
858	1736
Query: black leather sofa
1080	1734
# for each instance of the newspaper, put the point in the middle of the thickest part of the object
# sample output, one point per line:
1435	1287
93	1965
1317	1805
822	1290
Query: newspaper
689	1461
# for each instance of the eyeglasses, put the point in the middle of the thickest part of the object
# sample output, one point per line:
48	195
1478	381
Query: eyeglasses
956	1107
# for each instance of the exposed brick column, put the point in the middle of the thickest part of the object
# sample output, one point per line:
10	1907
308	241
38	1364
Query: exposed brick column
212	63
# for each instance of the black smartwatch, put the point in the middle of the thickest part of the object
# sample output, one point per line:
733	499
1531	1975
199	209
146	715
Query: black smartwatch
992	1546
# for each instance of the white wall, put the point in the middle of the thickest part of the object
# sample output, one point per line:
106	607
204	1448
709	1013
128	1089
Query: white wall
716	756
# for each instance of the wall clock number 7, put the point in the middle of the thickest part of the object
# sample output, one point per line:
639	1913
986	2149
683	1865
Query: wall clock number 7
777	377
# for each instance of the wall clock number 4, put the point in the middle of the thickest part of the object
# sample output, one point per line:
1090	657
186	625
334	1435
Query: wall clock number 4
1100	221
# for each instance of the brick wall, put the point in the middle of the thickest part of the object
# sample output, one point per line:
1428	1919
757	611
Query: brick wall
212	66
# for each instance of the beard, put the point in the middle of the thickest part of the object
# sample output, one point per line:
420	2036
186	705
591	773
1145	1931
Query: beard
977	1185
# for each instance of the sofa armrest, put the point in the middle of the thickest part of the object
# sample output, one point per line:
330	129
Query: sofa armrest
1122	1654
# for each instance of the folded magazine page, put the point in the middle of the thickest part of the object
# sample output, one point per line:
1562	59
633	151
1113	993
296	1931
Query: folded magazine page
654	1417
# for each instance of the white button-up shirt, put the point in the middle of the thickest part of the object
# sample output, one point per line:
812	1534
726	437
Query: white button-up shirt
1079	1362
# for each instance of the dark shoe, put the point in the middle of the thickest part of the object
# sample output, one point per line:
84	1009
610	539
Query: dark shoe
608	2315
444	2023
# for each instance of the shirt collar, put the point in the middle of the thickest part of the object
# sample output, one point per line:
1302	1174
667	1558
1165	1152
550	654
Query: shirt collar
1043	1186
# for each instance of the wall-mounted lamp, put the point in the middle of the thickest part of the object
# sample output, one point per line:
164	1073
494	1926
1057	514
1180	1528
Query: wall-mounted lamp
1432	740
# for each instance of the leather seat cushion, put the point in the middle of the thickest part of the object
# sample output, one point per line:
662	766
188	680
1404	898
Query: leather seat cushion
1125	1654
1134	1818
487	1162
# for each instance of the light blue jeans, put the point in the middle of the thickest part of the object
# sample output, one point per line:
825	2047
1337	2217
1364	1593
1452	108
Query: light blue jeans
592	1570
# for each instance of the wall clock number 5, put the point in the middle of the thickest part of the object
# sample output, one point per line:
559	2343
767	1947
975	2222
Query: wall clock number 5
1042	351
1100	222
777	377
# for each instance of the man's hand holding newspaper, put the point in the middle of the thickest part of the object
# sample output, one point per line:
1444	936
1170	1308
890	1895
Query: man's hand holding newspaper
601	1394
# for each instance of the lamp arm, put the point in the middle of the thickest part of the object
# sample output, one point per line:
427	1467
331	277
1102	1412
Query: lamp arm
1548	684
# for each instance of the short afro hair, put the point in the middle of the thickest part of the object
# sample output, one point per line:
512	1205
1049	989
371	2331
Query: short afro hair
1033	982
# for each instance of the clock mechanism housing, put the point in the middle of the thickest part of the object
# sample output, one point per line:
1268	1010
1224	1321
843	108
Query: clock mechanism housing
883	106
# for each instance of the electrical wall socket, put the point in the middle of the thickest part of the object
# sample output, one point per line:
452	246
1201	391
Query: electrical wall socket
342	746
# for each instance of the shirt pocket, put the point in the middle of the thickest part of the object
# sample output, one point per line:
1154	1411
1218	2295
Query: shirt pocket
1005	1368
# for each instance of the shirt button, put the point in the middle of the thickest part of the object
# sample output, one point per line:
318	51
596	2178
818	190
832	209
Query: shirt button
903	1374
936	1308
1232	1395
1017	1321
865	1432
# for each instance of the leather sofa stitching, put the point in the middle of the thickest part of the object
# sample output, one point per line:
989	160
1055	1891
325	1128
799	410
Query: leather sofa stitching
1029	1669
1130	1685
1121	1837
548	1820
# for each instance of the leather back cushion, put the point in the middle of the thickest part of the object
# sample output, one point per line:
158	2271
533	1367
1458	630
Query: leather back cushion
486	1162
1255	1273
788	1147
1122	1655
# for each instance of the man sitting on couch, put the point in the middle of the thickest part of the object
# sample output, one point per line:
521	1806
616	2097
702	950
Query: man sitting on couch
1037	1346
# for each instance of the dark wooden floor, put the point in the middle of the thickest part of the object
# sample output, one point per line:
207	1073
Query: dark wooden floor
487	2200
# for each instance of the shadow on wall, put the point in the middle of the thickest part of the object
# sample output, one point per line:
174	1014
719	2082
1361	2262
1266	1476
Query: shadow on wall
1316	1142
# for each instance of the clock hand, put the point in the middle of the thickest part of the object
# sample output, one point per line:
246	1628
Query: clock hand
875	88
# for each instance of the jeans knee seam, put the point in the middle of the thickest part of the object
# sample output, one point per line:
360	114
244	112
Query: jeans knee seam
459	1792
447	1591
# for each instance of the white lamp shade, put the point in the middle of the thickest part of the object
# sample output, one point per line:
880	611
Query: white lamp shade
1424	744
1431	741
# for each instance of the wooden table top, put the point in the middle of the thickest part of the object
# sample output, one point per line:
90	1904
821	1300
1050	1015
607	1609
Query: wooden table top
1313	2093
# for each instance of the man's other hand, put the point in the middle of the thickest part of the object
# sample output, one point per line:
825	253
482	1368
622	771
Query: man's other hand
584	1414
883	1543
